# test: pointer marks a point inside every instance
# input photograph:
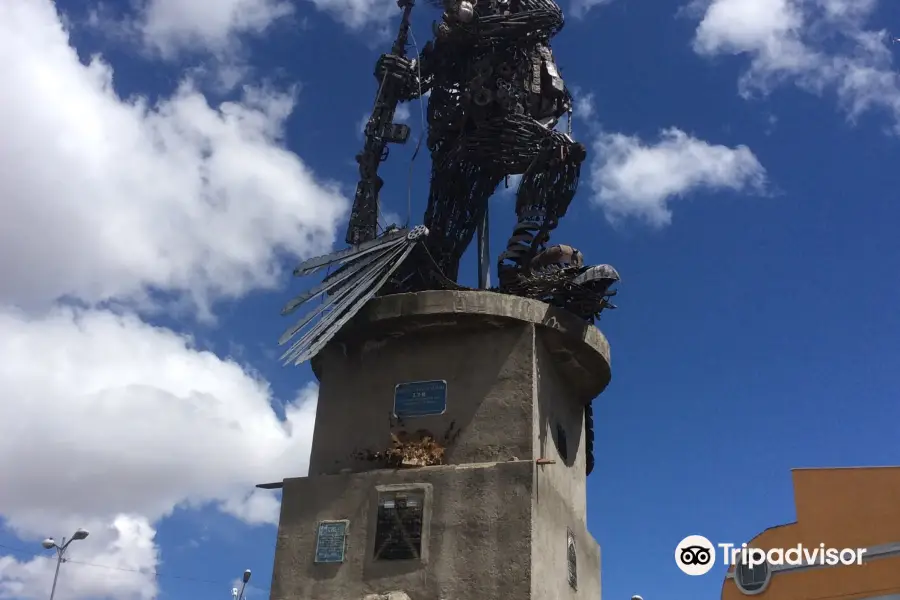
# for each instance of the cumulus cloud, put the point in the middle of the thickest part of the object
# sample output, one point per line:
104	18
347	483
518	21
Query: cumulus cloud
172	26
632	178
145	422
819	45
129	197
584	105
139	412
358	14
107	421
114	562
579	8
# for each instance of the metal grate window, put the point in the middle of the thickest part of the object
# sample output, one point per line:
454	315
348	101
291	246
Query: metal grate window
571	559
398	529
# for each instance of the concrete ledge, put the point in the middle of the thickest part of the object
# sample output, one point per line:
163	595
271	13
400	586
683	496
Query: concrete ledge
580	349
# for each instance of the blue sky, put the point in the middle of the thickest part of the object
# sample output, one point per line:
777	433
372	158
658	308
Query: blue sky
163	163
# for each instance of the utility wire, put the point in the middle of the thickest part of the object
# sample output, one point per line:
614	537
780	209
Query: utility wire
157	574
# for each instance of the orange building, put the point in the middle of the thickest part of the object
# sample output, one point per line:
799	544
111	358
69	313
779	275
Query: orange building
853	508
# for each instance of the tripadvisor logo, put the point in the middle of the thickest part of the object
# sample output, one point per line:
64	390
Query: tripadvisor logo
696	555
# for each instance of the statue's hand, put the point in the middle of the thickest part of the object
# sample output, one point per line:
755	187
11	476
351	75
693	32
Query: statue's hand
393	66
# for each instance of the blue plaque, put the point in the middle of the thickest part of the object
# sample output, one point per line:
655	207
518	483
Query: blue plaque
420	399
331	541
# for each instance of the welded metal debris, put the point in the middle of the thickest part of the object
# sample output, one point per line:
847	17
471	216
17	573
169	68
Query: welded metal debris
344	292
420	450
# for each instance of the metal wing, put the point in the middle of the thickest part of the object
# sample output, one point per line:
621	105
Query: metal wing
364	270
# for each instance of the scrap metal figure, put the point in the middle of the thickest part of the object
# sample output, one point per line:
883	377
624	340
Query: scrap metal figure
496	98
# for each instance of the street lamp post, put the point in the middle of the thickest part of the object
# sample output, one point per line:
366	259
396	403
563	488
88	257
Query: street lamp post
80	534
244	580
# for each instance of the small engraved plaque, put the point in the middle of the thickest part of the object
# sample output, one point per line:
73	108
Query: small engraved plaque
330	541
420	399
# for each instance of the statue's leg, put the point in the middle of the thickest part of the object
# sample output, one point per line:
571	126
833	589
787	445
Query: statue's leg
460	189
550	163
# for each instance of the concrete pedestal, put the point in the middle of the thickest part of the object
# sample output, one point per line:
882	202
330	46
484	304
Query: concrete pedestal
503	515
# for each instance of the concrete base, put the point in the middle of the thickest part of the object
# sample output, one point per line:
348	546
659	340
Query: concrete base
496	531
501	509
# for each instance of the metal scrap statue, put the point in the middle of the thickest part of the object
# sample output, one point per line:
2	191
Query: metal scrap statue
496	98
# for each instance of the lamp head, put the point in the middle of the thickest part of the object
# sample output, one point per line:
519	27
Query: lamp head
246	576
80	534
48	543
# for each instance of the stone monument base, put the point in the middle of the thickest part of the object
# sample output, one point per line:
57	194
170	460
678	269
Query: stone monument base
448	459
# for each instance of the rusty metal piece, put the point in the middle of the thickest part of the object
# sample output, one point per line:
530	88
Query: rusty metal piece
560	255
405	451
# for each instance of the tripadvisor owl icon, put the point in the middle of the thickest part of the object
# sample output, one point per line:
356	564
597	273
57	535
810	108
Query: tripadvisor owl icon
695	555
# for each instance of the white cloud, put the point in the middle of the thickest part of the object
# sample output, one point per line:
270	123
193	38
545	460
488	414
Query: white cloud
138	402
403	113
741	26
128	197
170	26
818	45
124	549
579	8
108	422
584	105
357	14
631	178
